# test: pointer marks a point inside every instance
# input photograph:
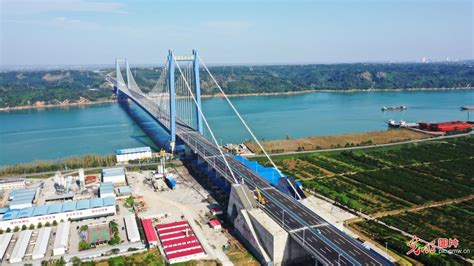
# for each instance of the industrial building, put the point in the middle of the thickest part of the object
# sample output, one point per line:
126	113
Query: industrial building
132	228
12	183
71	210
124	191
114	175
20	246
41	243
125	155
5	240
150	233
22	198
61	197
179	242
106	189
62	238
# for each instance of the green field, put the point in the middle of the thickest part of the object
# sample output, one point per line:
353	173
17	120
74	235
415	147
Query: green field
398	178
384	179
450	221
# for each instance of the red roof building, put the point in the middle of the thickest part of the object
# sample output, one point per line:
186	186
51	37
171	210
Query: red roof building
172	225
168	231
177	249
150	232
216	211
175	236
215	224
179	242
185	255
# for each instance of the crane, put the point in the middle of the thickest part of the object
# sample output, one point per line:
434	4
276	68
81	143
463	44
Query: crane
260	198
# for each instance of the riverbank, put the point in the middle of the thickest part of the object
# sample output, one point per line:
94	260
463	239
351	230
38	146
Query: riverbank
336	91
338	141
50	166
207	96
63	105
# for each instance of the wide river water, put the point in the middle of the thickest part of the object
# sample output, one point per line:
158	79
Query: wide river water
53	133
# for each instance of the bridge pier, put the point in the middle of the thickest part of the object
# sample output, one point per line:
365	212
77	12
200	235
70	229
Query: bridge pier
267	240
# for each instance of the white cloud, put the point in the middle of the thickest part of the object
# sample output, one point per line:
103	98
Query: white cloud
64	21
29	7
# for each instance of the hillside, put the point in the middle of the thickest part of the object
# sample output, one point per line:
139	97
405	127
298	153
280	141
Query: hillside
55	87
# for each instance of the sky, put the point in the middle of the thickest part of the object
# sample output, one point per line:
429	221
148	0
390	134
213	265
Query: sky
85	32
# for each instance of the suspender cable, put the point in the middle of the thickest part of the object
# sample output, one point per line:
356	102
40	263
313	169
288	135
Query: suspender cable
208	127
247	127
240	117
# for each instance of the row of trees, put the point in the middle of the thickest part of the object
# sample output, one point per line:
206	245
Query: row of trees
22	88
31	227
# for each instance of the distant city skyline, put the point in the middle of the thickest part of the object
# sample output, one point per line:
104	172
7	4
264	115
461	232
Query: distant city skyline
80	32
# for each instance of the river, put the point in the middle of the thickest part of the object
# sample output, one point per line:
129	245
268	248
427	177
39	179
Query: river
53	133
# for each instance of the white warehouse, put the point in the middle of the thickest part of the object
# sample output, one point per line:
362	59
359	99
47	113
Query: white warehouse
62	238
41	243
125	155
114	175
20	246
132	228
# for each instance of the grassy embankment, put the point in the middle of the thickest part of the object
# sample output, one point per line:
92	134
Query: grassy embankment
338	141
425	189
87	161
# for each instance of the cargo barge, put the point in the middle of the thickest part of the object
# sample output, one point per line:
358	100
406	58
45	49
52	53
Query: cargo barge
446	126
394	108
443	127
392	123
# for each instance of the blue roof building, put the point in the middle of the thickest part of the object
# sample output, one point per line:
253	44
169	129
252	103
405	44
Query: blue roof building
97	202
83	204
132	150
40	210
55	208
24	213
69	206
10	215
109	201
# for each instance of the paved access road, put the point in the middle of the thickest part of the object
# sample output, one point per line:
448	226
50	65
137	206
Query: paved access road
326	243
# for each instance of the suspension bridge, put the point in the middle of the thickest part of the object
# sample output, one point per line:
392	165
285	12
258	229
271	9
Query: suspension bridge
175	103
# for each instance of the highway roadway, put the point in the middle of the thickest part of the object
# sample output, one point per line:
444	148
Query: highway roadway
325	242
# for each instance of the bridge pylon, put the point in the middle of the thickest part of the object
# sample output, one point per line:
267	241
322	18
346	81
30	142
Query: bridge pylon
195	87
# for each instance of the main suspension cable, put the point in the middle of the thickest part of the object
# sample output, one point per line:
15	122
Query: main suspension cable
207	124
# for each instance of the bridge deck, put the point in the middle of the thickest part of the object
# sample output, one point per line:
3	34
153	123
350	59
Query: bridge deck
322	240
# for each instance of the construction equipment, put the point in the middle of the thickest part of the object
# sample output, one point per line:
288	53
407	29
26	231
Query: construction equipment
260	198
162	153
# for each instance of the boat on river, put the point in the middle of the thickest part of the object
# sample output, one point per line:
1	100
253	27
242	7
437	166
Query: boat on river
394	108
